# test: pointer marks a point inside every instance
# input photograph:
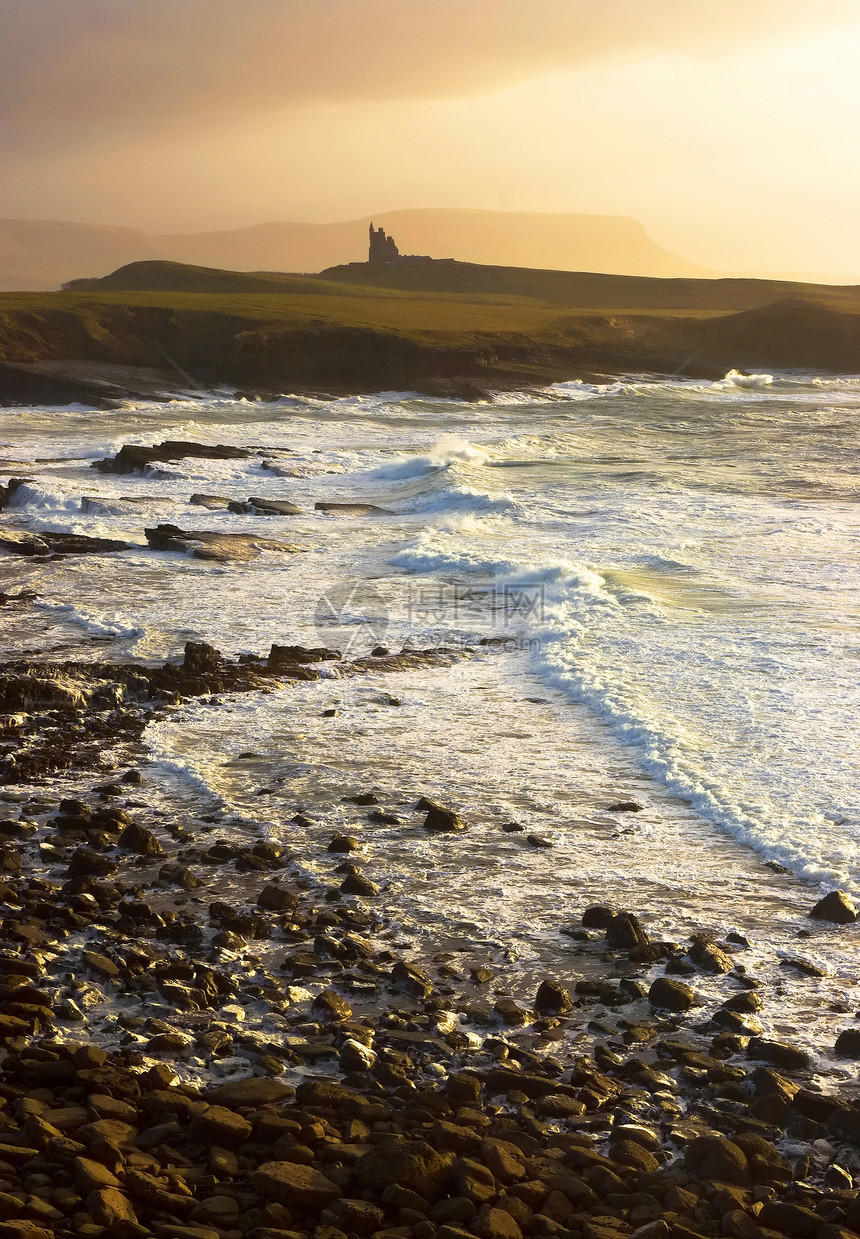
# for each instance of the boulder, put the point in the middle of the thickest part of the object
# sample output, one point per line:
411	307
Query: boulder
552	998
411	1164
624	932
717	1159
296	1185
709	957
848	1043
835	907
779	1053
441	819
667	994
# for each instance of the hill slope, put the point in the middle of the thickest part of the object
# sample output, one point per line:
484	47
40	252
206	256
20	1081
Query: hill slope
40	254
357	333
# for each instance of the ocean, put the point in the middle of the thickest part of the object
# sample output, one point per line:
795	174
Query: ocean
648	589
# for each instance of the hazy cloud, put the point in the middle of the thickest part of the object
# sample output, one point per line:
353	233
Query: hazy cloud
80	73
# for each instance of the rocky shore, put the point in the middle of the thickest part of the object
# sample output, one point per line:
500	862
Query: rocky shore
201	1042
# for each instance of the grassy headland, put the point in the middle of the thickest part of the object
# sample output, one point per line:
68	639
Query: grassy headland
438	327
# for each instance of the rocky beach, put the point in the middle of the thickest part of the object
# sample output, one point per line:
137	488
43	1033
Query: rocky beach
246	983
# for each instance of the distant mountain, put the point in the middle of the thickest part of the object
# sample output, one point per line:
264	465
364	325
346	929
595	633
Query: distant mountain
42	254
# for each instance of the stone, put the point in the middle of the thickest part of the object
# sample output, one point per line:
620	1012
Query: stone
354	1056
709	957
475	1181
716	1158
358	884
835	907
221	1127
331	1006
355	1217
597	916
253	1092
779	1053
494	1223
624	932
92	1176
411	1164
108	1207
789	1219
274	898
552	998
848	1043
136	838
293	1184
440	819
667	994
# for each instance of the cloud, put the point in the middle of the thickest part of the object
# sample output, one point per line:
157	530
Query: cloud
80	74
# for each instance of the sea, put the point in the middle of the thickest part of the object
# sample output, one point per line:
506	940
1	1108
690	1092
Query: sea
648	589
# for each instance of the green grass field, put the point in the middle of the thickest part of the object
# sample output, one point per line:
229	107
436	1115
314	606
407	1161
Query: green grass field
361	325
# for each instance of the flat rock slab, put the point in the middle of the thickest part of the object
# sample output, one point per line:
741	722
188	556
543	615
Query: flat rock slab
16	543
219	547
134	458
351	509
255	506
256	1091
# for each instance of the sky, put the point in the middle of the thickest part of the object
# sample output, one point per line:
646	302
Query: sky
729	128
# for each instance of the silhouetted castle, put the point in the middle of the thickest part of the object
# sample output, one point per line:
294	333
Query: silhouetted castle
384	249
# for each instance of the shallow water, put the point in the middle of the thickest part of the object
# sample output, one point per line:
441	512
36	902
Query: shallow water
673	568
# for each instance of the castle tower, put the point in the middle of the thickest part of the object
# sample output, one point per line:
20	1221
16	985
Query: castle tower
382	247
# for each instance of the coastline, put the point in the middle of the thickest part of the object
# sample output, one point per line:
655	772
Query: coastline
175	994
217	1031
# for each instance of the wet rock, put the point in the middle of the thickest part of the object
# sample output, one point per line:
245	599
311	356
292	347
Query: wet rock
716	1158
350	509
410	1164
295	1185
136	458
32	544
256	506
625	806
668	994
343	843
848	1043
709	957
331	1006
440	819
835	907
624	932
509	1012
539	841
598	916
358	884
275	899
251	1093
355	1056
411	979
211	545
553	998
215	503
354	1217
779	1053
136	838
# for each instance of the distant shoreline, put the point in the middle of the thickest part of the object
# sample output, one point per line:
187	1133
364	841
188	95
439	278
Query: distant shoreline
444	329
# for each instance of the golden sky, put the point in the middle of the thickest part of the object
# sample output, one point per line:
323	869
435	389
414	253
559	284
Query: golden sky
729	128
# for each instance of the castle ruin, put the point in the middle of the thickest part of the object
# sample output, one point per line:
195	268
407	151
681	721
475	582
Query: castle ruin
382	247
